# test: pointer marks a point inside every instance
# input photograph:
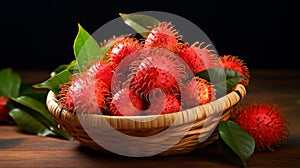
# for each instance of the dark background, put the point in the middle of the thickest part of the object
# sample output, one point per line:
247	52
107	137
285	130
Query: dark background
40	35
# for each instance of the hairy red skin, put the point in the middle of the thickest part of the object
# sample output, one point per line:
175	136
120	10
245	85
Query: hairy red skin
237	64
163	104
120	57
109	42
4	110
84	94
65	97
162	36
197	58
197	92
152	78
157	68
102	96
102	71
264	122
122	49
126	103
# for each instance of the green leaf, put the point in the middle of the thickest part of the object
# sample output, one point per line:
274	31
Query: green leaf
60	76
36	106
223	79
241	142
48	123
229	152
9	83
26	89
54	82
69	67
40	112
29	124
86	49
139	22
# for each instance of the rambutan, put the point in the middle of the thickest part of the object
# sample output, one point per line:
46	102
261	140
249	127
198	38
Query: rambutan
111	41
264	122
122	49
196	92
198	58
102	94
157	68
163	104
103	72
237	64
65	96
121	55
126	103
4	110
163	36
84	94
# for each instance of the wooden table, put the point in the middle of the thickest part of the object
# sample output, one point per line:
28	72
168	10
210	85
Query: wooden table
282	87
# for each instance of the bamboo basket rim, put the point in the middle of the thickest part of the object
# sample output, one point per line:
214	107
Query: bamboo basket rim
153	121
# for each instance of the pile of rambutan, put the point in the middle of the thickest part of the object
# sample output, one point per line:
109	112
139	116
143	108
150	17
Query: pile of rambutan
147	75
157	73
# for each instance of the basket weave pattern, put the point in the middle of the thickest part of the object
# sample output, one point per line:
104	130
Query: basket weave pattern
194	119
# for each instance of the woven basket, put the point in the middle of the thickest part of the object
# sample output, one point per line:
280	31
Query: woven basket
193	126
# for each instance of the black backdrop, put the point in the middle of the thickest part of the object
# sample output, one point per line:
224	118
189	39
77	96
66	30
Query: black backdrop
40	35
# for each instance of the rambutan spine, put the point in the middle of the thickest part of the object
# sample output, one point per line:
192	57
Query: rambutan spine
237	64
126	102
198	56
157	68
163	36
197	91
163	104
264	122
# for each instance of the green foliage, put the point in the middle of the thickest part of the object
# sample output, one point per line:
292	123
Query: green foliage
59	76
239	141
27	106
29	123
223	80
86	49
140	23
9	83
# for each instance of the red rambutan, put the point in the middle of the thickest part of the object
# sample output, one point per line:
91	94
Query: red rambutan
126	103
84	94
111	41
196	92
163	36
3	108
163	104
198	58
157	68
121	55
236	64
122	49
264	122
102	95
103	72
65	96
